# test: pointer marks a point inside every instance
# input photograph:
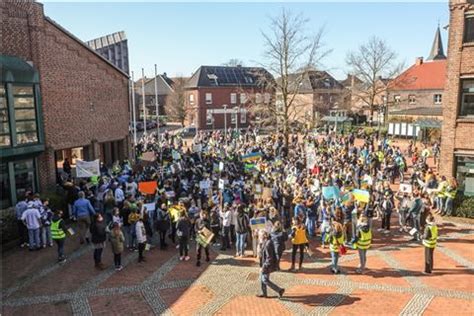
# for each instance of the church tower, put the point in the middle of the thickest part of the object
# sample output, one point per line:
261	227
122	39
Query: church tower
437	51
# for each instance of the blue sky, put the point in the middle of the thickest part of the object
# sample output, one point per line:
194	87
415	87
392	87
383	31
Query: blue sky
179	37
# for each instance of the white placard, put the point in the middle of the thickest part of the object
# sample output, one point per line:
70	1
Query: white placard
390	128
397	129
87	169
403	132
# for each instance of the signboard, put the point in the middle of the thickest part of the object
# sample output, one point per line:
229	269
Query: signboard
258	223
204	237
149	206
87	169
310	158
148	156
221	184
405	188
331	192
361	195
221	166
252	157
267	193
204	184
148	187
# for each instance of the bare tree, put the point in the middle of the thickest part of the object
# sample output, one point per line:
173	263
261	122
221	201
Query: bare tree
290	54
371	62
233	62
176	102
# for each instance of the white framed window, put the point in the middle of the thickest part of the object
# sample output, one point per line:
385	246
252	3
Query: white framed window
267	97
243	98
233	98
191	98
411	99
243	117
208	98
437	98
209	118
258	98
397	98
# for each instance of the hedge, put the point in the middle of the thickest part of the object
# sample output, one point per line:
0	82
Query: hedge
464	206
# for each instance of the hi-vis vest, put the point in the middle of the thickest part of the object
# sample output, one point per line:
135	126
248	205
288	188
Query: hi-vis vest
334	242
450	192
365	240
56	231
442	189
431	243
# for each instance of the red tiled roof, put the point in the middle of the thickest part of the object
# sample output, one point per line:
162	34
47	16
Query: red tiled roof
429	75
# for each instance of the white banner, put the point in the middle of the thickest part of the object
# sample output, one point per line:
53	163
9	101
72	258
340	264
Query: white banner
87	169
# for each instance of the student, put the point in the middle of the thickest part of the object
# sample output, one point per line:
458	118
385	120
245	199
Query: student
299	241
140	233
279	237
201	223
162	224
364	239
387	207
98	238
58	234
335	239
325	226
242	227
32	220
226	217
46	216
132	220
117	240
82	211
268	265
183	225
430	237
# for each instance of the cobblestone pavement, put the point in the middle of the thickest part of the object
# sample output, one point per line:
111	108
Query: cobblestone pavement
32	283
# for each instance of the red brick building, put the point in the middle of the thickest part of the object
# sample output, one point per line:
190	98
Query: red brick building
223	95
81	100
457	146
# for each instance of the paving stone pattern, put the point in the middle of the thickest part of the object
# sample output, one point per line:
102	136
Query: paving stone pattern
227	285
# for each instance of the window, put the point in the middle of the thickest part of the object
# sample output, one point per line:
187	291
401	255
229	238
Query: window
5	200
191	99
411	99
24	176
233	118
243	117
267	97
25	115
233	98
467	97
437	98
258	98
397	99
243	98
208	98
465	174
469	29
209	118
4	121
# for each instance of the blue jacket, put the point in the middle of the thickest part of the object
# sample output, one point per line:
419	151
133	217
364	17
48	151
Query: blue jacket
83	208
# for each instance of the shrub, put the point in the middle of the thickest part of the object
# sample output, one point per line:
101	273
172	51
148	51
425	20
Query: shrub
464	206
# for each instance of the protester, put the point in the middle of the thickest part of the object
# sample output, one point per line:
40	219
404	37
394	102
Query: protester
183	227
278	237
140	234
363	242
268	265
58	234
430	237
336	241
117	240
32	220
299	241
82	212
98	238
202	223
242	227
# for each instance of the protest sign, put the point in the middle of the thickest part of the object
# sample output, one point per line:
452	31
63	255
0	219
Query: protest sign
204	184
204	237
310	158
405	188
361	195
291	179
252	157
215	167
258	188
258	223
330	192
176	155
170	194
267	193
87	169
149	206
148	156
147	187
221	184
197	148
221	166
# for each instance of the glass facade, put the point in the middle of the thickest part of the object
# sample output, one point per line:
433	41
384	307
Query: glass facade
5	198
465	174
4	120
25	115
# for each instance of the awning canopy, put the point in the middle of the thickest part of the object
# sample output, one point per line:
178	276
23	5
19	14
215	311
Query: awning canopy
428	123
339	119
16	70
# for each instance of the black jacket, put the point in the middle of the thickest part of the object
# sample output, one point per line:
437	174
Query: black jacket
243	223
98	232
278	239
268	260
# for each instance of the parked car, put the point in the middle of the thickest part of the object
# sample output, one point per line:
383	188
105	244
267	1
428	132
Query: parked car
151	125
140	126
188	131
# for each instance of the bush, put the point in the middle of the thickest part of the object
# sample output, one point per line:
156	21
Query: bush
464	206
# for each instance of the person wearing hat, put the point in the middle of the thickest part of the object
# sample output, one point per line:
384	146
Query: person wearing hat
430	238
268	264
32	219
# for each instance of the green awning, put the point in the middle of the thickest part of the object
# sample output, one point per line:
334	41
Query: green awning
428	123
16	70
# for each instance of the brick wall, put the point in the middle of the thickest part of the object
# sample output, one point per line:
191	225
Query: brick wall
84	98
456	133
423	98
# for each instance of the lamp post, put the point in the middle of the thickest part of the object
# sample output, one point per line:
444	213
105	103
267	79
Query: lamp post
225	123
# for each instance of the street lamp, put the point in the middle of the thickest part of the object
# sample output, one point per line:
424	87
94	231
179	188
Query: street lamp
225	122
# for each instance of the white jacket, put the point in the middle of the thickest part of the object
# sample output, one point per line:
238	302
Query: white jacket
140	231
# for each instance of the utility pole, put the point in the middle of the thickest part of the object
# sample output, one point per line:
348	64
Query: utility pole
134	116
225	123
143	97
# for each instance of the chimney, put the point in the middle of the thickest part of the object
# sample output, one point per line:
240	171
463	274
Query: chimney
419	61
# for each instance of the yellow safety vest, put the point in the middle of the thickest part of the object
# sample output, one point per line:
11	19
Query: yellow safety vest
431	243
442	189
365	240
56	231
300	236
334	242
450	192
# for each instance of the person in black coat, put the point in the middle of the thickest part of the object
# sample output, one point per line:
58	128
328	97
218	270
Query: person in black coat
278	237
98	237
268	264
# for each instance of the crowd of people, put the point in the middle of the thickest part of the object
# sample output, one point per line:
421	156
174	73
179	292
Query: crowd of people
250	193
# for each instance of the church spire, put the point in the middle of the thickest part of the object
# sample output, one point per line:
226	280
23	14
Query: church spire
437	51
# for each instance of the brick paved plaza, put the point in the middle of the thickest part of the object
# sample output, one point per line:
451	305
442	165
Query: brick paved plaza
34	284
